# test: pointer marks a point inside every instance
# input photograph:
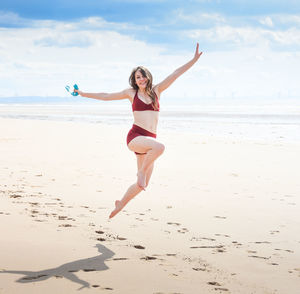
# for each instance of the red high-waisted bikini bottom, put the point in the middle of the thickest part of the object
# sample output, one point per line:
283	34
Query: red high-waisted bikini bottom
138	131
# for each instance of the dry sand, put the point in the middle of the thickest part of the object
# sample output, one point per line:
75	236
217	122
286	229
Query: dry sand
219	216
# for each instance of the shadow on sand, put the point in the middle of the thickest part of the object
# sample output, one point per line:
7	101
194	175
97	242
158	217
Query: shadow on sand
68	270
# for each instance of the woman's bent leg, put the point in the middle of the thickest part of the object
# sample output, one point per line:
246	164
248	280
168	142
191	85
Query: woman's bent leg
150	157
140	162
153	150
134	189
131	192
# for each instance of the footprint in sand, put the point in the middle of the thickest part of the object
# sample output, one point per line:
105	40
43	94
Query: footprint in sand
217	288
34	203
66	225
183	230
197	269
259	257
208	247
15	196
251	251
286	250
222	235
221	289
221	250
236	243
297	270
50	203
121	238
139	247
175	224
148	258
166	293
202	238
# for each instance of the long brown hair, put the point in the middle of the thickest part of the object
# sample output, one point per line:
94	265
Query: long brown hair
149	89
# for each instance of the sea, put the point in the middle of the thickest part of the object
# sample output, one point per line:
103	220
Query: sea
253	118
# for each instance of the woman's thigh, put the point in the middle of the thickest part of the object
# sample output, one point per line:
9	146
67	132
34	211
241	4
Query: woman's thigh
143	144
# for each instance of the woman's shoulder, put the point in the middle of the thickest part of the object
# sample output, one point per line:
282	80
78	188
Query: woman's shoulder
156	91
130	93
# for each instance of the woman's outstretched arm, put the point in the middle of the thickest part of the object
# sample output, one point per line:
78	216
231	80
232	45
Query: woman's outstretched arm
106	96
178	72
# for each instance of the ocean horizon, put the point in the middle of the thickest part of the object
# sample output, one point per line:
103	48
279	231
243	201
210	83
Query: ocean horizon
265	119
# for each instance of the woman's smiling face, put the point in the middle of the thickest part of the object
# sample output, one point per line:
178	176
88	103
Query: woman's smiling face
140	80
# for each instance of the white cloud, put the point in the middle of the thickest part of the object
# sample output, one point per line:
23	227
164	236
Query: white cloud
291	20
219	32
11	18
267	21
42	58
246	36
39	61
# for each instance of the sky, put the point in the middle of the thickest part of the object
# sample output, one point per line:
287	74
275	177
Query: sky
250	48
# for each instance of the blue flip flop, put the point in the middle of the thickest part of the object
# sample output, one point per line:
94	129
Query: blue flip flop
72	93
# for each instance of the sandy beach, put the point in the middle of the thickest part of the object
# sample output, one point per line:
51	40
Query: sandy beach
219	215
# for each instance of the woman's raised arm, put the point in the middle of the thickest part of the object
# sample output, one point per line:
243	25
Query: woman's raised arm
125	94
178	72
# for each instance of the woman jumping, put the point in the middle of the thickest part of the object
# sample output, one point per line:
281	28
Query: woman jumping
141	139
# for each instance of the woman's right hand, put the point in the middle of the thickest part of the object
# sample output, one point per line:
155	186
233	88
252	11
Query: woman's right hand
77	91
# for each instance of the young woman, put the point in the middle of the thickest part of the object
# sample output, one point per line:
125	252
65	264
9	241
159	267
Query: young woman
141	139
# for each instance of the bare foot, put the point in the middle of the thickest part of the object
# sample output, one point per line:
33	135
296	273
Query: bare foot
117	209
141	180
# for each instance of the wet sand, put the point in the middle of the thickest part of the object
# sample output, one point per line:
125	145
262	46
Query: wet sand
219	216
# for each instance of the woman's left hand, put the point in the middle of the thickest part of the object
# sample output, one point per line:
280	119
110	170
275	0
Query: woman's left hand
197	53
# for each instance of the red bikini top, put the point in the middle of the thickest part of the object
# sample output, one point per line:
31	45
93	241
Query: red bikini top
139	105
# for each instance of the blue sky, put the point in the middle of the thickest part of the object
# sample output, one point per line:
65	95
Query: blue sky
250	47
139	10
